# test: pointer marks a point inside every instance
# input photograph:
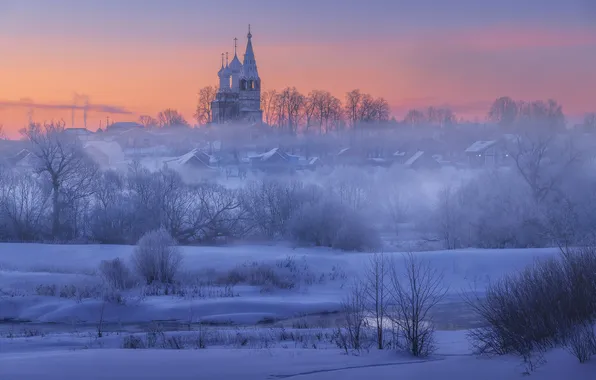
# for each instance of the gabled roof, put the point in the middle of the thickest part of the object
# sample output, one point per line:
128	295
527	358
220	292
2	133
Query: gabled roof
480	146
194	155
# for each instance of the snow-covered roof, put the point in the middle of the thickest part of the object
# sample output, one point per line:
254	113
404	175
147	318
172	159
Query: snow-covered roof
195	154
414	158
186	157
480	146
271	153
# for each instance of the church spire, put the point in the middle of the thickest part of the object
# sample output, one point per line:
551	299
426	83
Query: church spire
249	65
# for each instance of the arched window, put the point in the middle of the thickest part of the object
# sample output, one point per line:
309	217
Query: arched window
243	84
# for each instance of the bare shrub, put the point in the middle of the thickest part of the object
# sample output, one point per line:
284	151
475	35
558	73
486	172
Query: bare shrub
356	234
116	274
133	342
329	223
287	273
547	305
415	292
521	313
263	275
157	258
581	342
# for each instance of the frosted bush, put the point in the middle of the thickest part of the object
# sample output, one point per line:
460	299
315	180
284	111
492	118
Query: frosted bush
157	258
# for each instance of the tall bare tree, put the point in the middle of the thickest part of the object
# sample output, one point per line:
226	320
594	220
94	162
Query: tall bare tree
171	118
416	291
309	109
268	104
60	158
293	103
2	133
203	113
377	292
364	108
353	106
327	109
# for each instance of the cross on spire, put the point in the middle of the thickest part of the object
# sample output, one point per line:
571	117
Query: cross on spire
226	58
222	59
249	34
235	44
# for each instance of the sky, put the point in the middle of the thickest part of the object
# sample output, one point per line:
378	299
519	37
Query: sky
138	57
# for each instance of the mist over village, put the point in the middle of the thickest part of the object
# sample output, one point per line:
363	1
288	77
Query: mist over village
333	224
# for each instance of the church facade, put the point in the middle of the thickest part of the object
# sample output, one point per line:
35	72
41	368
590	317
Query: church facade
238	97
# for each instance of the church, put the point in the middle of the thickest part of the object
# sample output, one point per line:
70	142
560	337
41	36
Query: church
239	95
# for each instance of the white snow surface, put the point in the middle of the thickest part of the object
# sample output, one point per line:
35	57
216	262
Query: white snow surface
74	355
279	363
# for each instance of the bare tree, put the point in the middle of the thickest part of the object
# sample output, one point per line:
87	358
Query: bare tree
543	159
60	158
377	292
148	121
268	104
353	107
503	111
352	335
203	113
23	204
171	118
327	109
289	104
414	117
2	133
415	292
309	109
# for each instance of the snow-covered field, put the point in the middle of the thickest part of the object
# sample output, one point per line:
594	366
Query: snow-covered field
323	278
50	309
